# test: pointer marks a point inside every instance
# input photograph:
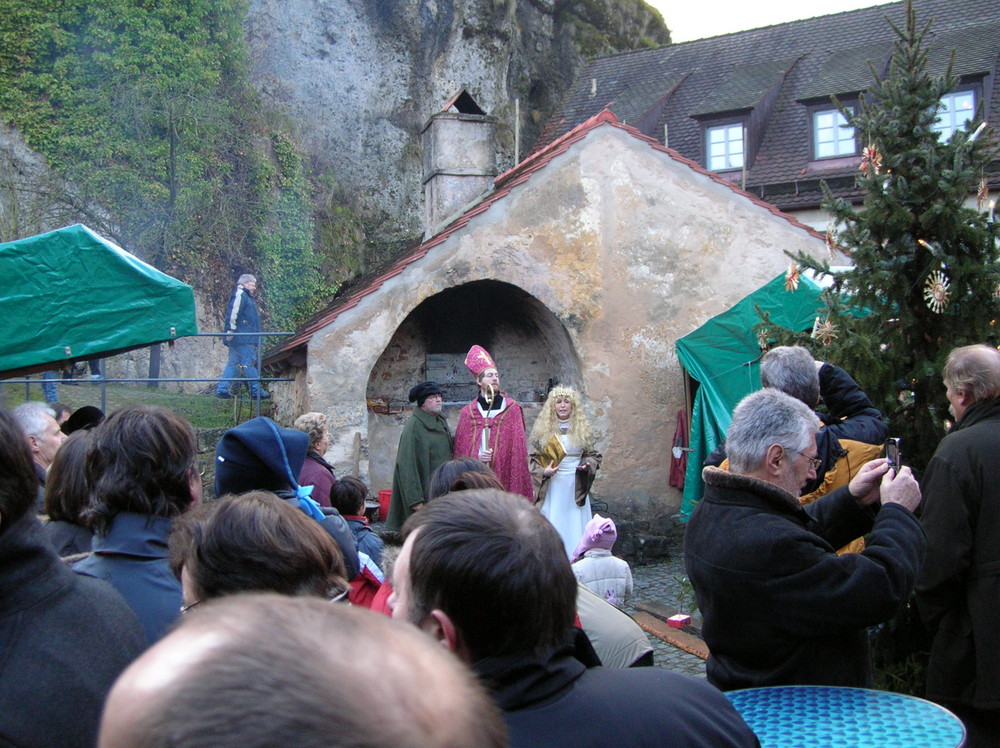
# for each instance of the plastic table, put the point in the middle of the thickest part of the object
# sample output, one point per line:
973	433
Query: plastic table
828	716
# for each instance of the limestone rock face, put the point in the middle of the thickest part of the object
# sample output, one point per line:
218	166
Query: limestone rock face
358	79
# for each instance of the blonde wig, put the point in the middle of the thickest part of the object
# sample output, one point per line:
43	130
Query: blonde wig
547	423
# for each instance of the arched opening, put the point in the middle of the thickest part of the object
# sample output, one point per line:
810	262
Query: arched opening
530	345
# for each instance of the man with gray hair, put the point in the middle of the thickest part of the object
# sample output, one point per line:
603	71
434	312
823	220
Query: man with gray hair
851	431
780	607
38	422
958	591
242	318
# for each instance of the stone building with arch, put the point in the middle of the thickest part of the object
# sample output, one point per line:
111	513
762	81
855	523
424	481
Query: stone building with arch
582	265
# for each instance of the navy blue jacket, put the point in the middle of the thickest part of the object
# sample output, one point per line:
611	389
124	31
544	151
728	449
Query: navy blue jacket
241	316
133	557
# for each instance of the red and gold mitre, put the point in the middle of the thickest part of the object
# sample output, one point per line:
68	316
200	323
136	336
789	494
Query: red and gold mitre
478	360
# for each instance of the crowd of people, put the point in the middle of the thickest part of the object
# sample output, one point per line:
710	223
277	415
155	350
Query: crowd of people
135	612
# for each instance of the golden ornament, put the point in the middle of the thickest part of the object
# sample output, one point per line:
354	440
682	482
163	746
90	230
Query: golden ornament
936	291
792	276
824	331
871	159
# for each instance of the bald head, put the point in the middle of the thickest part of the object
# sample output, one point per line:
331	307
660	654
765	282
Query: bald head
264	670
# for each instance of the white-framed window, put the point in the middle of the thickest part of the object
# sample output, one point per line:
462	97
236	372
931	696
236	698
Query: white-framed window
724	146
954	110
832	135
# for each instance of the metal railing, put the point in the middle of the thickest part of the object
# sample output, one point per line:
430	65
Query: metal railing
103	381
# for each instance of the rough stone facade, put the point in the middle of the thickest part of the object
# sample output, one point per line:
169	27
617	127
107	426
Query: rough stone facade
586	271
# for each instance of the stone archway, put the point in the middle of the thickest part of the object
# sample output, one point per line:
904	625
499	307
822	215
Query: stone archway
530	344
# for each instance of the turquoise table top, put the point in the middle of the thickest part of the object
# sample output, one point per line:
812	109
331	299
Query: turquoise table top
826	716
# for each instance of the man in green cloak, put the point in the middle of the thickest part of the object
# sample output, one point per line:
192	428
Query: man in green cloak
424	445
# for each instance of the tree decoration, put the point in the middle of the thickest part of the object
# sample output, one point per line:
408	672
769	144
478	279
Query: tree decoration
792	276
762	340
936	291
983	193
824	331
831	245
871	159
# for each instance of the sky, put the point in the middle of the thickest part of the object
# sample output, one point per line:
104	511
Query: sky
689	20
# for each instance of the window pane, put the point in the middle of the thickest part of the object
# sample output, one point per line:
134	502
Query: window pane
832	135
954	110
724	145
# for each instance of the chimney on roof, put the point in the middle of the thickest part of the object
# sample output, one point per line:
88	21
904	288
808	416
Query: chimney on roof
460	159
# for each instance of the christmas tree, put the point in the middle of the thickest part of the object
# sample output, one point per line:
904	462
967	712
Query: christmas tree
924	276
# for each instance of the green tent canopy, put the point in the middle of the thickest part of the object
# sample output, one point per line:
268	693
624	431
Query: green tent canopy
70	294
723	355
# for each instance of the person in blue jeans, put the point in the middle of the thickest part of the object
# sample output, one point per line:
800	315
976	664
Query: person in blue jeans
242	317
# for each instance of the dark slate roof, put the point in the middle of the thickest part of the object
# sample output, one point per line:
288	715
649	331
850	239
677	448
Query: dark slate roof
775	72
291	349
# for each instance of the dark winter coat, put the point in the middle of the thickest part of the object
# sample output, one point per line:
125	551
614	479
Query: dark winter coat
64	639
133	557
424	445
958	592
556	702
779	606
850	417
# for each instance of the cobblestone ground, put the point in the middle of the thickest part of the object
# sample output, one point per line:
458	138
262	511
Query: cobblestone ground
661	583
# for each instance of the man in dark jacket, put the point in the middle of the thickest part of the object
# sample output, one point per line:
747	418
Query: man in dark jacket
260	455
780	606
852	430
424	445
958	591
242	317
63	638
486	575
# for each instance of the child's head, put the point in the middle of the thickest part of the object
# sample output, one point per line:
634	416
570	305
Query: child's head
600	532
348	495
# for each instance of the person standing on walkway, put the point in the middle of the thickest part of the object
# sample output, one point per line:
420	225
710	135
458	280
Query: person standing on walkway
491	428
563	464
958	590
424	446
242	317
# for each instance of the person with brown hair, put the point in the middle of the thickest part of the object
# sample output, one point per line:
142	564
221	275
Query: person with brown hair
445	476
142	473
487	577
65	638
255	671
254	542
348	498
67	497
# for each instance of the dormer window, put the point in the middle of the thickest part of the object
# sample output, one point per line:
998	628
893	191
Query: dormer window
832	135
954	110
724	147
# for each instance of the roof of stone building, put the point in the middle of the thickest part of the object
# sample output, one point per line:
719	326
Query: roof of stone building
503	184
770	76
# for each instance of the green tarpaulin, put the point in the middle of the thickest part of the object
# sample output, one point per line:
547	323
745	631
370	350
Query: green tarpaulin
723	355
70	294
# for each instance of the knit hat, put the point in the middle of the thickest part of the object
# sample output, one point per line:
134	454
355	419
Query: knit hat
424	390
478	360
83	418
261	455
600	532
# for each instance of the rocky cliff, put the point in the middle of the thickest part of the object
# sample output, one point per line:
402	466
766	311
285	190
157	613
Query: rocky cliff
358	79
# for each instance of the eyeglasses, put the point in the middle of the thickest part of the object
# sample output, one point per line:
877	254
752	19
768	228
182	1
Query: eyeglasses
814	461
186	608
